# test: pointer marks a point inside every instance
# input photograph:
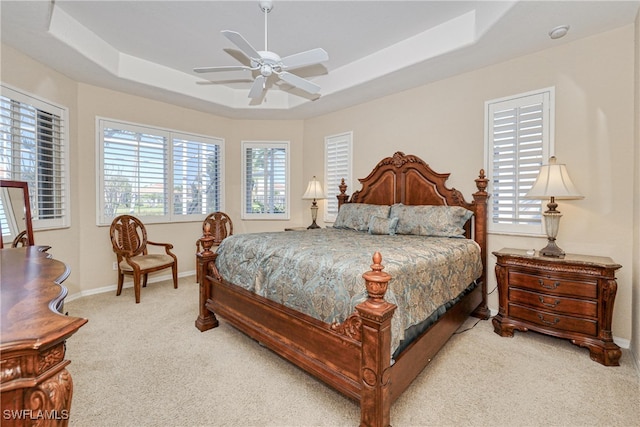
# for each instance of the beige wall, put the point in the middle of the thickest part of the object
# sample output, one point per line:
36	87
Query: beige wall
85	247
441	122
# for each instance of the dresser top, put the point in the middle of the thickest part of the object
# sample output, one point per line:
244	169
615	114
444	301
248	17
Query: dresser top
598	261
30	289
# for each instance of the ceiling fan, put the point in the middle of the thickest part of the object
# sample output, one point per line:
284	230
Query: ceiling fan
269	63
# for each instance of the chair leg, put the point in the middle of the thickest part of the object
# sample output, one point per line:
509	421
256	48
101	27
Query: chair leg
120	282
136	285
144	280
174	270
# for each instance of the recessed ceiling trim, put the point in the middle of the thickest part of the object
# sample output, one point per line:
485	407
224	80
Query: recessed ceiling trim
446	37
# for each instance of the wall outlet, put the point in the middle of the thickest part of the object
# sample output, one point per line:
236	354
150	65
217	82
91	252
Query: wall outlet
115	265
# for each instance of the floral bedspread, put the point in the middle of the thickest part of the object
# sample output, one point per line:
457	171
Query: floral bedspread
319	272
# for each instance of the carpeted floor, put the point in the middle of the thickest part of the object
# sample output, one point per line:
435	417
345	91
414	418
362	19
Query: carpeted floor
147	365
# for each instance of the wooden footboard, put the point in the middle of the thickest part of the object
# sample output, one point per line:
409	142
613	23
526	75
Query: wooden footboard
353	357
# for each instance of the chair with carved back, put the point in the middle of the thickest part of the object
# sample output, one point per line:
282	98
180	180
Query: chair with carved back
219	226
129	241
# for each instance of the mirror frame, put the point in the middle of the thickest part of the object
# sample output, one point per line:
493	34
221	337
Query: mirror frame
27	207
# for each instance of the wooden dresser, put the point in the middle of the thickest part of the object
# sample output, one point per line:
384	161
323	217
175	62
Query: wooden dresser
35	387
570	297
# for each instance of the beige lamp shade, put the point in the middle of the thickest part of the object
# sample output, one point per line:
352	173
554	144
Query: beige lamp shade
314	190
553	181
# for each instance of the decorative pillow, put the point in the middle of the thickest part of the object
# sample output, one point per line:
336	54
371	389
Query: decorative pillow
427	220
379	225
356	216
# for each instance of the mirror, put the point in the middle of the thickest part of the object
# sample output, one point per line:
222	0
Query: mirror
15	214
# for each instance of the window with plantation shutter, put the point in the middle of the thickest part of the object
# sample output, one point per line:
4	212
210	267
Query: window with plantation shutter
519	139
337	163
157	175
265	180
33	148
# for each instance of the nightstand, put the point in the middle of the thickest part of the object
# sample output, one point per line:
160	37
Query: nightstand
570	297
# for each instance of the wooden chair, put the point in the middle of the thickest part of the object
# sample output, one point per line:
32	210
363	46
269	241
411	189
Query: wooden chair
220	226
129	241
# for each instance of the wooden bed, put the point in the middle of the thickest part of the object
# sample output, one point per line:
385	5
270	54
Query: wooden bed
354	357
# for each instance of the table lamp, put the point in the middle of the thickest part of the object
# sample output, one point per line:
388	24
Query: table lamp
553	183
314	192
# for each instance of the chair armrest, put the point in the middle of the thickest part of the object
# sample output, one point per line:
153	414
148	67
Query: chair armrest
167	246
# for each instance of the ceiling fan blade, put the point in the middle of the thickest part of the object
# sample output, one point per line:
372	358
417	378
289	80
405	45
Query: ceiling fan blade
257	87
243	44
223	68
309	57
299	82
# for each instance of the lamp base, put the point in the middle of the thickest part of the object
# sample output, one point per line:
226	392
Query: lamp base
552	250
313	225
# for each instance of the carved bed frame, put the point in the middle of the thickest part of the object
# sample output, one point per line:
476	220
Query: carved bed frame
355	357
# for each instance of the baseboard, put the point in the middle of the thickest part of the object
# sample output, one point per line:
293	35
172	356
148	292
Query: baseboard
127	284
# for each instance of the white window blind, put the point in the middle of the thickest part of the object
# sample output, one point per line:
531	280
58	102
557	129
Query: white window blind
157	175
197	176
338	166
519	139
134	163
265	180
33	149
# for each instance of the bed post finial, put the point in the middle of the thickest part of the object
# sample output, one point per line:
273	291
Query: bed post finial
376	280
342	197
482	182
207	239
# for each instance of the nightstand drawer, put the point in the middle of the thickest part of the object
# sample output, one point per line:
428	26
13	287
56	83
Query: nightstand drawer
554	320
583	308
549	284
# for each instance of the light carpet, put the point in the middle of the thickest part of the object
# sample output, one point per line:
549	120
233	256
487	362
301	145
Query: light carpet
147	365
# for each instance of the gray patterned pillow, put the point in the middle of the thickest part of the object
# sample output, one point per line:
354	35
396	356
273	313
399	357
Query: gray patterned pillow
356	216
379	225
426	220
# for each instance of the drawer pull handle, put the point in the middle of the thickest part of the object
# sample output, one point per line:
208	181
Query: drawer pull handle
554	286
554	304
545	321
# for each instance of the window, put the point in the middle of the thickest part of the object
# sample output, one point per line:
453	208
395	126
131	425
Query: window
519	138
33	148
337	163
157	175
265	179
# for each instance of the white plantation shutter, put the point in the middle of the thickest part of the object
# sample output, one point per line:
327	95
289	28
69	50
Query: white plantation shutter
337	166
33	149
134	163
197	175
157	175
265	180
519	140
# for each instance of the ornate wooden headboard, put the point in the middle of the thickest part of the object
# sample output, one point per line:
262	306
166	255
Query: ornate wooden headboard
407	179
